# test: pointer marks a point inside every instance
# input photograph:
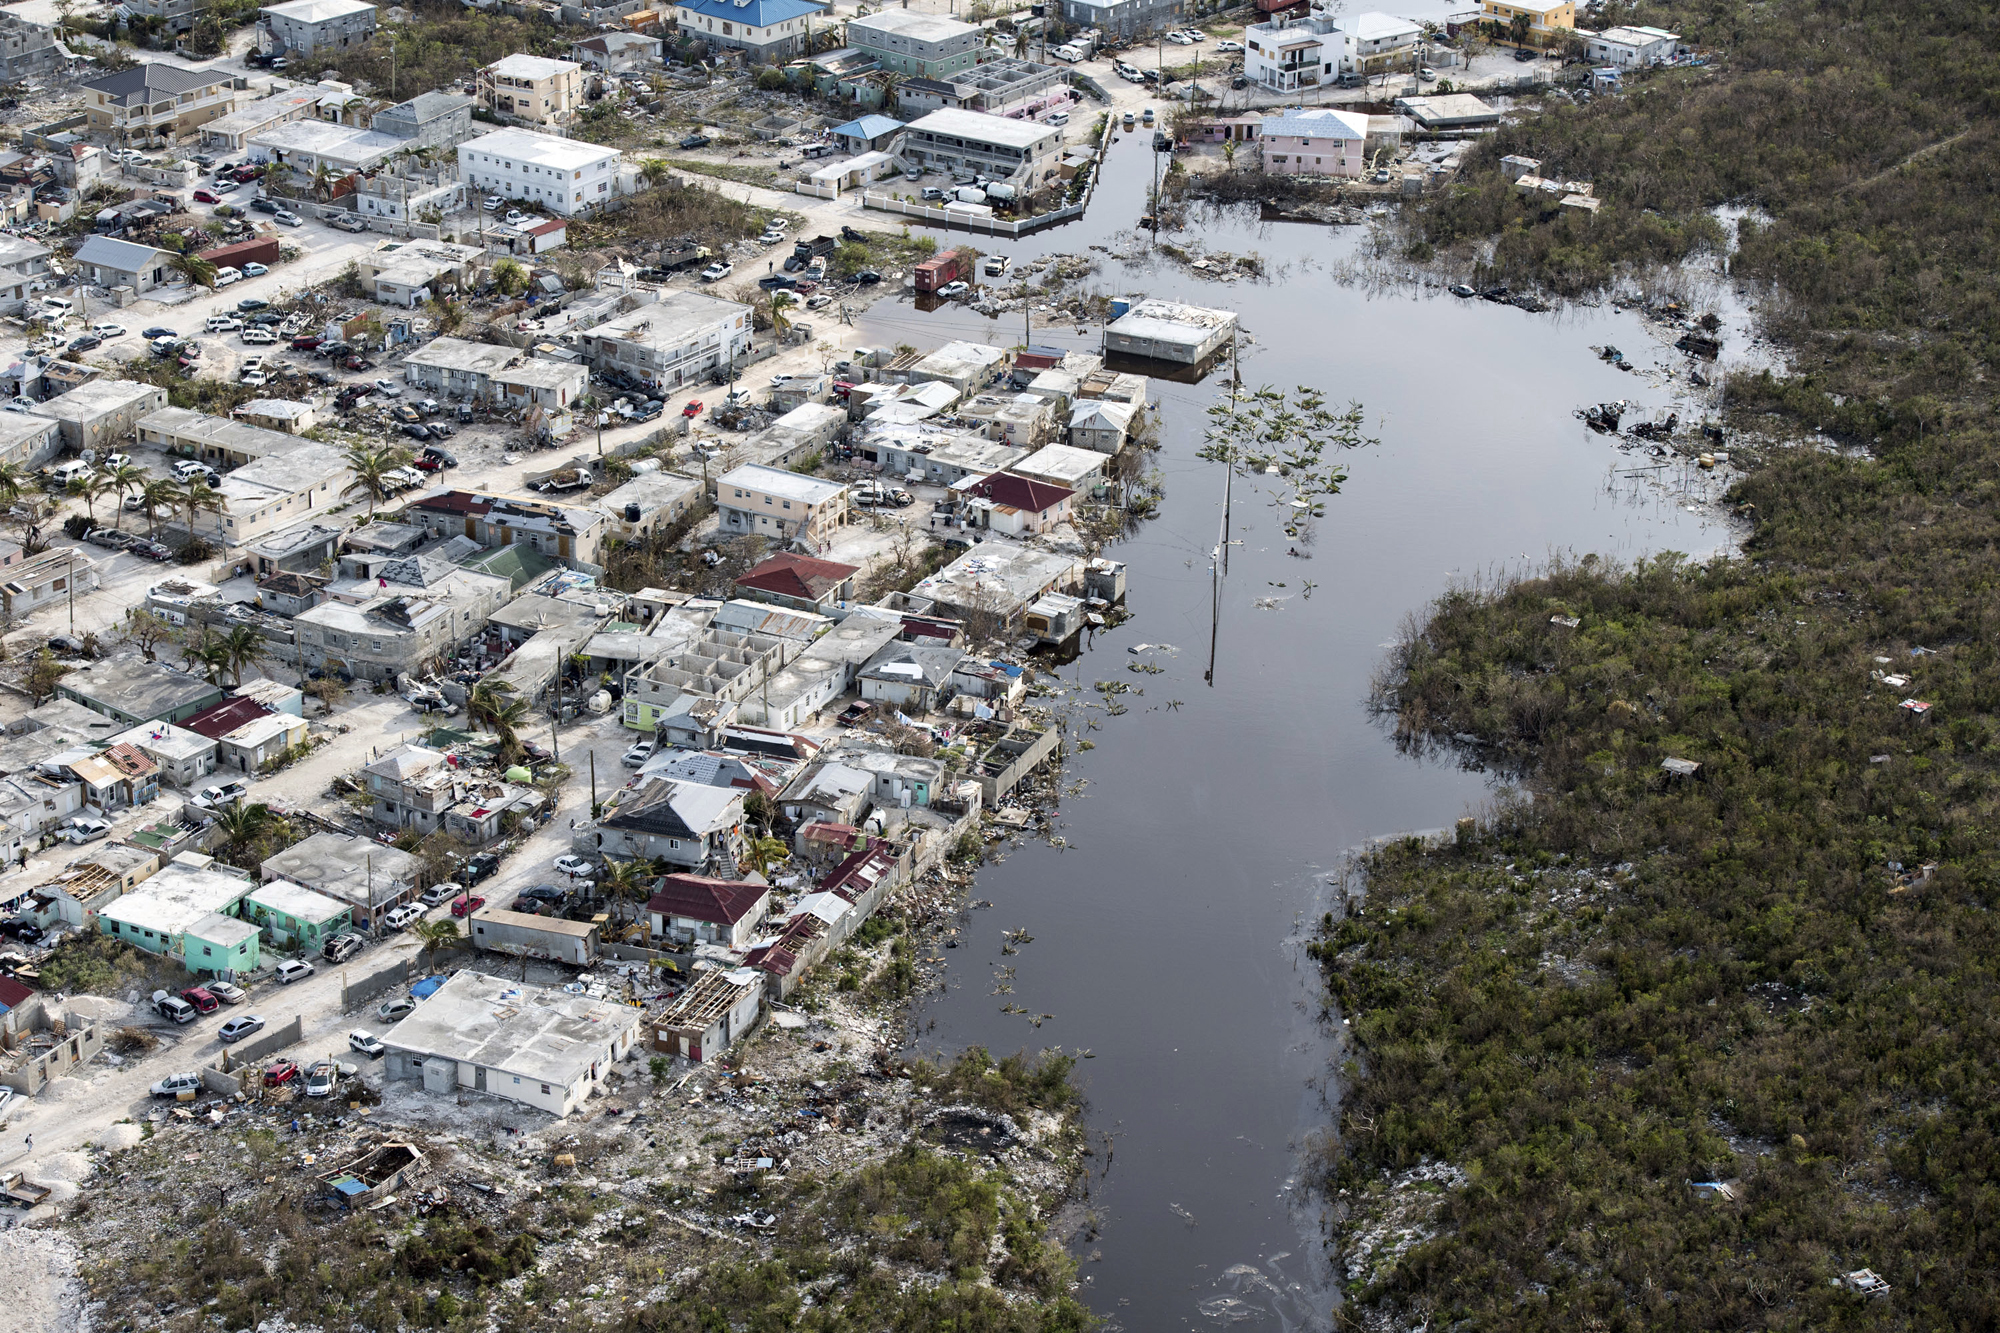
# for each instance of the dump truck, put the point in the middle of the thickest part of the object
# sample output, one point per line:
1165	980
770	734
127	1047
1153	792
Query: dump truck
805	250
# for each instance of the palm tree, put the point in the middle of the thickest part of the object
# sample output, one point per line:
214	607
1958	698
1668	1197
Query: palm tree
208	651
623	881
123	480
322	181
491	707
198	271
12	478
761	854
241	647
198	497
654	170
781	302
371	468
156	494
88	488
435	937
244	826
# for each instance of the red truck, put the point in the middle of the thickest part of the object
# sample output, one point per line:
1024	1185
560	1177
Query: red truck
946	268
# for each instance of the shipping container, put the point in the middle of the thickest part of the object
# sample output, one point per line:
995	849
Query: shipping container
935	273
263	250
519	934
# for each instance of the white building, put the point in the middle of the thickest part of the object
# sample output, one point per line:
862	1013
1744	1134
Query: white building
682	337
544	1048
565	176
490	373
1169	331
775	503
307	145
1629	48
1021	151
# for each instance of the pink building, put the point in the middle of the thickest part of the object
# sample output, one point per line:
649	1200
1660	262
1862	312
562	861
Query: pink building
1319	142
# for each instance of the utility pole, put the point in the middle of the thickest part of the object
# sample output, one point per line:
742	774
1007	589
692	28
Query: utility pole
593	784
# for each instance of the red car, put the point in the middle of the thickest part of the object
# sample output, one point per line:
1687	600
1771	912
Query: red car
306	342
205	197
243	175
467	906
693	409
201	1000
280	1072
428	464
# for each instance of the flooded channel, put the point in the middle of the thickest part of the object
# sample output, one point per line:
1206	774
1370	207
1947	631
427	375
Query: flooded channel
1166	932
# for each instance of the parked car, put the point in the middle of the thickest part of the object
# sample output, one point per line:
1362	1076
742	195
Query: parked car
479	867
695	141
437	893
259	337
954	289
339	948
868	277
717	271
640	752
225	276
173	1007
220	794
464	907
514	217
321	1078
348	224
87	343
178	1085
280	1072
367	1043
251	304
776	282
492	203
236	1029
293	970
111	539
203	1002
437	458
207	197
159	331
1229	48
575	866
226	991
400	918
84	828
306	342
254	270
227	187
417	432
263	206
285	218
388	388
153	551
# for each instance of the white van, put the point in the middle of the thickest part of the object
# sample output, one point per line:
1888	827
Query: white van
63	473
59	306
222	324
225	276
1059	118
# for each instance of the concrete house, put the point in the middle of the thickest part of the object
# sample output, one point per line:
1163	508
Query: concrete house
23	263
103	412
131	690
1169	331
413	608
490	373
718	1010
1544	18
221	946
784	506
428	120
55	575
184	757
566	176
248	735
27	50
683	337
683	823
315	27
1124	19
155	914
368	877
1024	152
476	1034
295	917
571	535
287	594
1100	425
619	52
1018	506
1630	47
765	31
926	46
412	787
830	792
532	88
648	504
695	909
1318	141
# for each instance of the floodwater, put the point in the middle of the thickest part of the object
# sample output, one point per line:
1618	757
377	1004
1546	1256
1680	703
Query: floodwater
1166	934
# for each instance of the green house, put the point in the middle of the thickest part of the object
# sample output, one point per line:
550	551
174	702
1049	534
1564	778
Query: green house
290	914
219	945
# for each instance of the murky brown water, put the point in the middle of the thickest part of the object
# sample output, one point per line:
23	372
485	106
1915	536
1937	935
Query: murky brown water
1166	934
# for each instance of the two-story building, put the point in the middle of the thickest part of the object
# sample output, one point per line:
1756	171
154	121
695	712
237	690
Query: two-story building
1314	141
315	27
412	787
412	610
681	823
428	120
1539	20
1023	152
491	373
784	506
571	534
1123	19
925	46
681	338
532	88
565	176
158	102
1630	47
765	31
696	909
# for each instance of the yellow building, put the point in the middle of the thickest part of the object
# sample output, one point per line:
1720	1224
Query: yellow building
1544	16
532	88
156	101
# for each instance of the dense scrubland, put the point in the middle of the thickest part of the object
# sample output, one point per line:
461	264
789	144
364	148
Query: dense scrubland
1779	972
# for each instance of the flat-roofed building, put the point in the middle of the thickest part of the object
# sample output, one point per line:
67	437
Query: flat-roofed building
679	339
96	414
155	913
1023	152
1169	331
314	27
784	506
541	1047
565	176
926	46
131	690
532	88
491	373
408	273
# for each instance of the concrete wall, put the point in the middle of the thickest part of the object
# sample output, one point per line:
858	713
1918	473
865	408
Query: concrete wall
269	1042
370	984
82	1039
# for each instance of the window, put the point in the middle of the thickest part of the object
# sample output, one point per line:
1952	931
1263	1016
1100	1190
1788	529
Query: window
545	1089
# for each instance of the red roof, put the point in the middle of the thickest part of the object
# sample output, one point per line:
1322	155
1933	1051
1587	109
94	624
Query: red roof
545	228
860	872
219	720
129	760
1021	492
823	830
14	994
700	898
800	576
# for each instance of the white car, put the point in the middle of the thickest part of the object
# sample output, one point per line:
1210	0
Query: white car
1180	39
637	756
287	219
256	379
388	388
954	289
367	1043
108	330
1231	48
771	238
112	462
399	918
492	203
220	795
321	1078
717	271
1067	54
293	970
514	217
574	866
177	1085
190	470
84	828
259	336
225	991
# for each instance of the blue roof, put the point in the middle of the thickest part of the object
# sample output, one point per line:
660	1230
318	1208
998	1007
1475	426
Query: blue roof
868	127
758	13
